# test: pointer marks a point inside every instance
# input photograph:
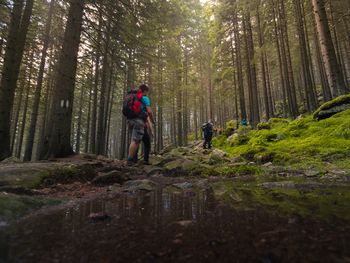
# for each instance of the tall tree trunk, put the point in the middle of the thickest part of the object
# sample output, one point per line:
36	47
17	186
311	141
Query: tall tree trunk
60	135
179	109
332	68
304	57
280	64
251	72
13	57
286	57
46	105
160	101
101	133
25	110
326	91
239	67
87	134
80	115
263	70
185	99
34	116
17	110
93	128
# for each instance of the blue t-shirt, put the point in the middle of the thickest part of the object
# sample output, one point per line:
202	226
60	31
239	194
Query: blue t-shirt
145	103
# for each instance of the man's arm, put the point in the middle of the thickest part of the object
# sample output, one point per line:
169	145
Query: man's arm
150	114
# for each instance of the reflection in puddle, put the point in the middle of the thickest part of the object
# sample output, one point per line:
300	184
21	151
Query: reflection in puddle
129	212
163	226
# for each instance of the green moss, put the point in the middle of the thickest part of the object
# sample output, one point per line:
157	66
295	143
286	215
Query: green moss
13	207
230	128
264	126
321	203
300	143
345	99
238	170
67	174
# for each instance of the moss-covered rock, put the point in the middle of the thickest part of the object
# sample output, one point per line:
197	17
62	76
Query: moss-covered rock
332	107
111	177
67	174
264	126
301	143
12	207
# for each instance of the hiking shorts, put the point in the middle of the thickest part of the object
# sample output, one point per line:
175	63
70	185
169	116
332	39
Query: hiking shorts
137	129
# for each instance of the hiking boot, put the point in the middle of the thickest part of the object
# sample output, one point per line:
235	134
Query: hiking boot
146	163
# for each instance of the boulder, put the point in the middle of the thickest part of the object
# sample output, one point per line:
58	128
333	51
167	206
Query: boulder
333	107
181	164
203	184
218	156
312	173
111	177
11	160
152	170
101	216
139	185
276	185
232	138
183	186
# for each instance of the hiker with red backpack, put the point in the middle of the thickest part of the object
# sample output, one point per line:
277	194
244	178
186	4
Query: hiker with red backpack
137	110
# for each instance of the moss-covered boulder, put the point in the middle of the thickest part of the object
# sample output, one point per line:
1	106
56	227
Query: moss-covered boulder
332	107
13	207
67	174
264	126
111	177
139	185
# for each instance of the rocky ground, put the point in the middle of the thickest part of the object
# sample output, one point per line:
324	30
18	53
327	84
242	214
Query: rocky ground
190	205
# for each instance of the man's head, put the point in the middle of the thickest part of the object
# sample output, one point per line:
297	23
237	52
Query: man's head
144	88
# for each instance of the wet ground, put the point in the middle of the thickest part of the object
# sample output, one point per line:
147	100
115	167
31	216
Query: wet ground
206	224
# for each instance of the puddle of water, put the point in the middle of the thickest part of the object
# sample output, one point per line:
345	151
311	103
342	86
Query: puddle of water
158	226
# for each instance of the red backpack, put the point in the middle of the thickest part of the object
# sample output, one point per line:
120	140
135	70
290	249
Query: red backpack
132	104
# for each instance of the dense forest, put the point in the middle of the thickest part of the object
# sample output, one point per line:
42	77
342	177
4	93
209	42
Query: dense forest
67	65
264	83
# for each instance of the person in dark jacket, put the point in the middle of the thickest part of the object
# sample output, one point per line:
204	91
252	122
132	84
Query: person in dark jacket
208	131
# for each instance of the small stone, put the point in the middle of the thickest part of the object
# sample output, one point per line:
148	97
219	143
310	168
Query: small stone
338	172
139	185
184	223
203	184
273	185
3	224
268	164
183	186
177	241
101	216
312	173
110	178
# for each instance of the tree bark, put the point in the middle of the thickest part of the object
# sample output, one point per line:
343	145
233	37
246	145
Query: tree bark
13	57
60	135
304	57
242	104
36	101
93	128
332	68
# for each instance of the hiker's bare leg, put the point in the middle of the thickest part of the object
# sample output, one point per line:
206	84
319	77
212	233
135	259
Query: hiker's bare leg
133	148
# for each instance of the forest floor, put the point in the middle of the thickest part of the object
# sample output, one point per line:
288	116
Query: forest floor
190	205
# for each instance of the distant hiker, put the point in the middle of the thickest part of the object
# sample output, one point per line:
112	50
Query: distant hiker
244	122
137	108
208	130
